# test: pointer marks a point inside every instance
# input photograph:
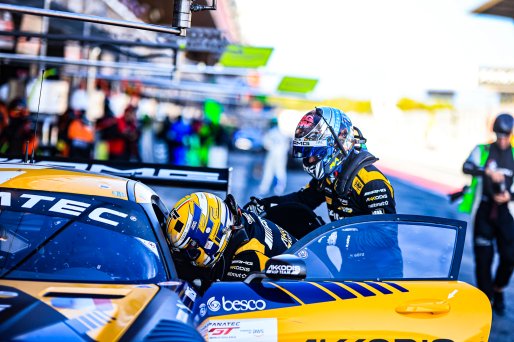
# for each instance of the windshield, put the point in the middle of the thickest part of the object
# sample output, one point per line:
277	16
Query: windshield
380	250
68	237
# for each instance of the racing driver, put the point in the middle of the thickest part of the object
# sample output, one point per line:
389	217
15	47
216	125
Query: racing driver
342	170
228	243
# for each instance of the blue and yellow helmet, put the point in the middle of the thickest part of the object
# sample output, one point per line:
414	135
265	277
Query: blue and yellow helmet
201	225
324	139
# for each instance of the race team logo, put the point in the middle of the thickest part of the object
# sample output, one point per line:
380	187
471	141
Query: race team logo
236	304
213	304
283	269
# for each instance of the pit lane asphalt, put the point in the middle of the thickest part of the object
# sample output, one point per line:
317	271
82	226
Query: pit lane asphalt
411	198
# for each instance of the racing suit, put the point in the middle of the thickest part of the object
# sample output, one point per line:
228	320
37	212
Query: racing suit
247	251
250	247
492	221
358	188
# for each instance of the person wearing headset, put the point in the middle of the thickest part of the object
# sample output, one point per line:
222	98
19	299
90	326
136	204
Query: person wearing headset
488	198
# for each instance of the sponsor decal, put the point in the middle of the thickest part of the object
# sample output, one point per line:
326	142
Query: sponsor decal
303	254
379	204
240	268
379	211
62	206
345	210
367	193
343	201
236	304
190	293
268	234
357	185
244	262
203	309
301	142
283	269
285	237
213	304
376	198
248	330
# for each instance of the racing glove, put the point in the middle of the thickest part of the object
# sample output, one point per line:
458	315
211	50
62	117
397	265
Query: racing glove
257	205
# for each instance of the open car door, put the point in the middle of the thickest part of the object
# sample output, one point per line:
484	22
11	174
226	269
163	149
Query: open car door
394	277
368	278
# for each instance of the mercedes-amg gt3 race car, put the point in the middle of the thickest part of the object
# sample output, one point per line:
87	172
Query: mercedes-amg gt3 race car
83	256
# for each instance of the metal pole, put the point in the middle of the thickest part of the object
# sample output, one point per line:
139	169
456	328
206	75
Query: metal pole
90	18
44	31
161	68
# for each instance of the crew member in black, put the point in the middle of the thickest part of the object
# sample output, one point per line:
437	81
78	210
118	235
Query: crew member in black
492	165
342	169
228	243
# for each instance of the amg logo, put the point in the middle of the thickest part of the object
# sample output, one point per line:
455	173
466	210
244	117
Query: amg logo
301	143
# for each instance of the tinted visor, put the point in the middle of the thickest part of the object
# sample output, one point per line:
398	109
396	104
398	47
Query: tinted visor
311	137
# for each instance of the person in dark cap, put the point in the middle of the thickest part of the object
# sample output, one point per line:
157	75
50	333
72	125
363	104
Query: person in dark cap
488	198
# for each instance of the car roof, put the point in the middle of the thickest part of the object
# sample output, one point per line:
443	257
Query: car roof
56	179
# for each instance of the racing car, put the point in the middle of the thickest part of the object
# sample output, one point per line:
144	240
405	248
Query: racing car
83	256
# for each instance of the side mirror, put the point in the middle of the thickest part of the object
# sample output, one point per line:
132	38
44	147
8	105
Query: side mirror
284	266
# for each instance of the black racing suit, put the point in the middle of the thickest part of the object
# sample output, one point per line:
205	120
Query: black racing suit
250	248
493	222
247	251
358	189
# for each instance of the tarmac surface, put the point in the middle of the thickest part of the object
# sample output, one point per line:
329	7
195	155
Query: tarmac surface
417	192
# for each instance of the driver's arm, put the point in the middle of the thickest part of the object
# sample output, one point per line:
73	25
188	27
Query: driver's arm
244	263
308	195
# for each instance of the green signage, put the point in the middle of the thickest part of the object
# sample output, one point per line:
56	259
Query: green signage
297	85
239	56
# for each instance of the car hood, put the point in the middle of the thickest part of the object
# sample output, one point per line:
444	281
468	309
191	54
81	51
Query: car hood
64	311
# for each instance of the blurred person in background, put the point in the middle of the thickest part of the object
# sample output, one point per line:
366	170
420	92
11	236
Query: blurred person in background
4	116
488	197
276	145
19	131
63	123
131	132
177	137
80	136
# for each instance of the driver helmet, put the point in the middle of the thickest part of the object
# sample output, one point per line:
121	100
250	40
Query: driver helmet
200	224
324	139
502	125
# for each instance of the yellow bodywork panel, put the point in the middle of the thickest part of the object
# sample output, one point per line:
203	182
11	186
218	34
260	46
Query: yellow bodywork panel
58	180
105	312
442	308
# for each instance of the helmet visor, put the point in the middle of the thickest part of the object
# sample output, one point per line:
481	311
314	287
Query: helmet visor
311	137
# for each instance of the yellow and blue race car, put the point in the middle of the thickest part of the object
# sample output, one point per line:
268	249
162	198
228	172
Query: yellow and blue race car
83	256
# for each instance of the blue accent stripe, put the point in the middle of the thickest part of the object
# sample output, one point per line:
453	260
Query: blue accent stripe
307	292
360	289
340	291
396	286
378	287
78	326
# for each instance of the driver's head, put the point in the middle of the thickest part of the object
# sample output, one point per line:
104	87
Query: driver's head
200	224
323	139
